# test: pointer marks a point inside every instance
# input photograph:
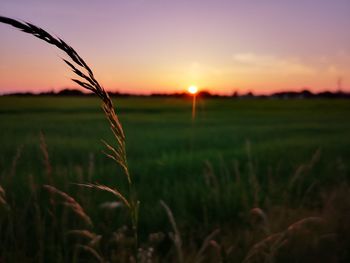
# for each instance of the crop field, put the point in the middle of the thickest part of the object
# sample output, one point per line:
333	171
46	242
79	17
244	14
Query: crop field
249	168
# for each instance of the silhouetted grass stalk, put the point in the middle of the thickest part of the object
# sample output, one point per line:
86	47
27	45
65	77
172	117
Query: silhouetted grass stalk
176	237
87	80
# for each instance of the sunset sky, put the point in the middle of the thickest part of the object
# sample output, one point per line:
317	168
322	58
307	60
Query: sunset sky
145	46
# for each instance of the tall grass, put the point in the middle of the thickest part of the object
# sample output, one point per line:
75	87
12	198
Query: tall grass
87	80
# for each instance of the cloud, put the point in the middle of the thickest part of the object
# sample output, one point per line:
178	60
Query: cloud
267	64
265	72
334	70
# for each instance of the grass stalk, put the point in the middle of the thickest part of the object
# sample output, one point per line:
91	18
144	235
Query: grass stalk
86	79
176	237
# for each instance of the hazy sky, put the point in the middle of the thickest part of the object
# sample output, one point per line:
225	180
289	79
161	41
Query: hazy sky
163	45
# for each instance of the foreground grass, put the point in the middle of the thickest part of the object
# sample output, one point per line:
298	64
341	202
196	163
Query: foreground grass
236	156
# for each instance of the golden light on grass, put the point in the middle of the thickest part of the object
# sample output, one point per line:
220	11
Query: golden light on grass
193	91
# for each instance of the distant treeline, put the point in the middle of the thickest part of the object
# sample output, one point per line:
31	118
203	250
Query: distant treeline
305	94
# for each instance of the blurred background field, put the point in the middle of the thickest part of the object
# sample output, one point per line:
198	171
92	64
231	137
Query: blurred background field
236	155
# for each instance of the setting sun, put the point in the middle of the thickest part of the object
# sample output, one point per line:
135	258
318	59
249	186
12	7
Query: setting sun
192	89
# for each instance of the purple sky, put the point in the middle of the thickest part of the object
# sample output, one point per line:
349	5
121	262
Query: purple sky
161	45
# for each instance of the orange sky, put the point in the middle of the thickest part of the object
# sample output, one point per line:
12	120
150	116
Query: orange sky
143	46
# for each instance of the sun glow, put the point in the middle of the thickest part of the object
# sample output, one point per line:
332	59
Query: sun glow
192	89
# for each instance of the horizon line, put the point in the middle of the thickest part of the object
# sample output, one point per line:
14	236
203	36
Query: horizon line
205	92
236	91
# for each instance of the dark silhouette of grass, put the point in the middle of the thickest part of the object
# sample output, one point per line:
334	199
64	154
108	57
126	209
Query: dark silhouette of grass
88	81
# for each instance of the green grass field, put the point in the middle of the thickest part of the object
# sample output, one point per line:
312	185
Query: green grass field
236	155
